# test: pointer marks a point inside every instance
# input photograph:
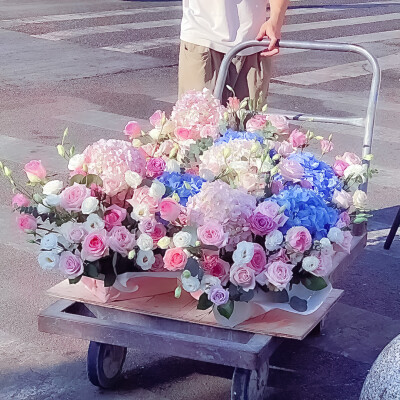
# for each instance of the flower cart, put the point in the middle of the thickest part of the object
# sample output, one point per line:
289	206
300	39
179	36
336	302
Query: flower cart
179	326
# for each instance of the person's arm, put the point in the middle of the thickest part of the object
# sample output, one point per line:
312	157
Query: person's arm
273	26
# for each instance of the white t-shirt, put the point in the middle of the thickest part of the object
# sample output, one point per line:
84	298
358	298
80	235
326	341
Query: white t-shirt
222	24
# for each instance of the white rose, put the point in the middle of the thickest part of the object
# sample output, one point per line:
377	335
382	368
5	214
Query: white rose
140	211
244	253
48	259
49	241
356	171
155	134
52	200
164	242
133	179
208	281
326	246
43	209
182	239
342	199
53	187
145	259
145	242
157	190
335	235
89	205
93	223
172	166
191	284
310	263
273	240
360	199
76	162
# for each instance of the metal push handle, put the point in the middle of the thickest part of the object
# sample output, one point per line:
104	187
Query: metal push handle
367	122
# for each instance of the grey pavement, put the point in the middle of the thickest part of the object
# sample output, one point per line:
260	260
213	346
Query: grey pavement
92	65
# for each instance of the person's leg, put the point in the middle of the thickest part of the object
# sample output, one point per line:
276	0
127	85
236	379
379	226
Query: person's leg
198	66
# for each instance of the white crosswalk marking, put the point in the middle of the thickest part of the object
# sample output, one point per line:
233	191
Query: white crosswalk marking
143	45
71	33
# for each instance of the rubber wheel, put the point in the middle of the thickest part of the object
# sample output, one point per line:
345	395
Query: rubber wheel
250	385
104	364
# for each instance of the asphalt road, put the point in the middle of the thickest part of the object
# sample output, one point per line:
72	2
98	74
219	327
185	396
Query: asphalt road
92	65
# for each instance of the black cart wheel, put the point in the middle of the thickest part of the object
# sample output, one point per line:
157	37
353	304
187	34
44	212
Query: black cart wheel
249	385
104	364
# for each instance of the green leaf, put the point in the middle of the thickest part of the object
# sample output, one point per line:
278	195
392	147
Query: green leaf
314	283
226	310
298	304
91	178
72	151
64	136
91	270
75	280
76	179
109	280
204	303
178	292
360	220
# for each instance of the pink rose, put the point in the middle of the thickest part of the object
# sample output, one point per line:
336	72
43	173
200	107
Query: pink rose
70	265
256	123
95	246
342	199
297	138
133	130
218	295
272	210
339	167
285	148
74	232
175	259
147	150
26	222
278	274
159	232
169	209
344	220
212	234
155	167
259	260
156	118
35	171
279	122
345	245
19	200
261	224
113	185
213	265
71	198
299	238
183	133
141	196
243	276
147	225
234	103
325	265
350	158
165	148
291	170
114	216
326	146
121	240
280	255
276	187
158	265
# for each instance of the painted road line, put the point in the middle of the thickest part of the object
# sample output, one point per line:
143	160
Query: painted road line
306	26
343	71
142	45
71	33
87	15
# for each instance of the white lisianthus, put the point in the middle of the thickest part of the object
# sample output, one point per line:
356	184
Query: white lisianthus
155	134
335	235
164	242
273	240
76	162
42	209
191	284
356	171
133	179
140	211
145	259
326	246
360	199
182	239
244	253
145	242
310	263
49	241
172	166
157	190
48	260
53	187
93	223
208	281
52	200
89	205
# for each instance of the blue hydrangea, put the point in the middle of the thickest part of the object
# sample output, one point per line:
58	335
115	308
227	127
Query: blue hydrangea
321	175
306	208
232	135
184	185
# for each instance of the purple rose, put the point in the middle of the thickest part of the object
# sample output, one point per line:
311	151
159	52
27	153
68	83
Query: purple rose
261	224
218	295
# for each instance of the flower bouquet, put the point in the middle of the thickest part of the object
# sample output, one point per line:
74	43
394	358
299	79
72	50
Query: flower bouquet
230	200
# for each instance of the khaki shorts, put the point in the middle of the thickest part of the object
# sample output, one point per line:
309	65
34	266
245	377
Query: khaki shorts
199	66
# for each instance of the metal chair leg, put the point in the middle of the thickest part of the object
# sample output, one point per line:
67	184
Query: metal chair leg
393	231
